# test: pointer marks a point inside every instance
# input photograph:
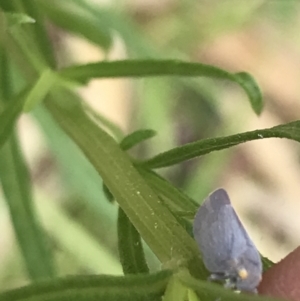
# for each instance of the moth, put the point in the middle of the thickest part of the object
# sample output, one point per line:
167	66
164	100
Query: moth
228	252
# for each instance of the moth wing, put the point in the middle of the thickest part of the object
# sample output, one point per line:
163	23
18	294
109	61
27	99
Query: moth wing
242	244
218	233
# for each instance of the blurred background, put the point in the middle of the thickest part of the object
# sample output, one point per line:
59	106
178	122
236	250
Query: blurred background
261	177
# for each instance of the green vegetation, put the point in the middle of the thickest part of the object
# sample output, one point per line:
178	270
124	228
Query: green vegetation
96	160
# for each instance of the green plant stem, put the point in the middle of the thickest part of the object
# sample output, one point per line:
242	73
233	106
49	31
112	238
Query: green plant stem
150	217
16	187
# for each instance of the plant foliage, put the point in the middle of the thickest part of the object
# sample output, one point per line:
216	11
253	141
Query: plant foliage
149	205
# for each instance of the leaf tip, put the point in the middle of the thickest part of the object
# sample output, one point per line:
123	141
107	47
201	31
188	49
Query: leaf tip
252	89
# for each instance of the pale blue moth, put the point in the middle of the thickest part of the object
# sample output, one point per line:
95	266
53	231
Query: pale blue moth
227	250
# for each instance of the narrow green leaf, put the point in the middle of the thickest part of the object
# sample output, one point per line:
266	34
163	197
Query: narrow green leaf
176	199
18	57
248	83
15	19
135	138
69	16
199	148
158	227
9	115
40	89
144	68
93	288
13	108
16	186
17	190
130	246
20	43
41	36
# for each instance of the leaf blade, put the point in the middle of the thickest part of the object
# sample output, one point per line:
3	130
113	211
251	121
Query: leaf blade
202	147
130	247
17	190
145	68
136	137
177	199
10	114
73	18
88	288
158	227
